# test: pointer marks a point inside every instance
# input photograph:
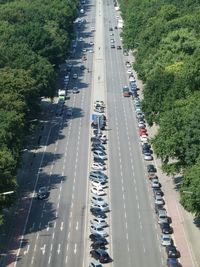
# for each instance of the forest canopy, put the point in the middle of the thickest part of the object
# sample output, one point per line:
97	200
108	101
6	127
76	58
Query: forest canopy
165	36
35	38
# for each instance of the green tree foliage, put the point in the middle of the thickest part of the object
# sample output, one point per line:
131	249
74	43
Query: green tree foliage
35	38
165	36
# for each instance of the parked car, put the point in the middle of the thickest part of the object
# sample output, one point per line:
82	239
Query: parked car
98	166
166	228
95	263
75	76
101	255
103	207
99	230
98	213
98	191
159	200
99	221
172	252
151	168
159	207
98	200
96	237
100	155
155	183
148	156
99	244
98	184
157	192
166	240
172	262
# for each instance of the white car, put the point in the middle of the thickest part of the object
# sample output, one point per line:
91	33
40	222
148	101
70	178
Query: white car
82	11
100	155
103	207
128	64
98	230
91	43
143	138
104	137
99	109
75	76
166	240
92	29
80	39
98	166
84	50
97	199
129	71
99	103
159	200
132	79
66	78
112	41
148	156
99	221
98	191
90	50
155	183
98	185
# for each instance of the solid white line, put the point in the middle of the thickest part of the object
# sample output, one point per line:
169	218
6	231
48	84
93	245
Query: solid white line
32	196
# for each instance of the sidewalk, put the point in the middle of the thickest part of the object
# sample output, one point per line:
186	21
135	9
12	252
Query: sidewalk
186	235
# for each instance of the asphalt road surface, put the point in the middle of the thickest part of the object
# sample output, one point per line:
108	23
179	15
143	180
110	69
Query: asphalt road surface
55	228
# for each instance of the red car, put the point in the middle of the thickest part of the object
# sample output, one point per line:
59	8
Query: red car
143	132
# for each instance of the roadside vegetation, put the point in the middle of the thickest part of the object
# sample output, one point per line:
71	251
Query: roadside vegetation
165	36
34	38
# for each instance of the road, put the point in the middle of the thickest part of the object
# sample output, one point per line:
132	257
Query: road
134	229
55	229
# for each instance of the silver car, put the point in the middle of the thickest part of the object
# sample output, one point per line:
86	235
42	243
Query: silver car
99	222
103	207
95	263
166	240
99	155
94	229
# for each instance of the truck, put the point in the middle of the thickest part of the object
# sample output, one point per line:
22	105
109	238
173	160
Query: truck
126	92
120	24
61	94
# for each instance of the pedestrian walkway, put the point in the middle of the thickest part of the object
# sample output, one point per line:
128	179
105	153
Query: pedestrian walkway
186	234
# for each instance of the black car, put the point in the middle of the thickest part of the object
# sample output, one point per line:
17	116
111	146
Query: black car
112	46
151	168
110	29
159	207
172	252
99	161
99	244
166	228
158	192
99	145
101	255
97	237
119	47
146	150
97	212
43	193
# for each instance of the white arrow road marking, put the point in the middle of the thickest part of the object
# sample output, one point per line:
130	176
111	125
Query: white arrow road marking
58	249
61	227
76	225
75	248
43	249
26	251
